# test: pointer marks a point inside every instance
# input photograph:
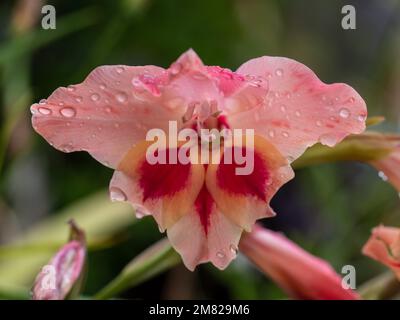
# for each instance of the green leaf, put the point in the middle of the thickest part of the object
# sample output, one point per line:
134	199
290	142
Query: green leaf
97	215
383	286
38	38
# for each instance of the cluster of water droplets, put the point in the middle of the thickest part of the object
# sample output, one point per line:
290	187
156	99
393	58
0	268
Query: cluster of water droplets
281	100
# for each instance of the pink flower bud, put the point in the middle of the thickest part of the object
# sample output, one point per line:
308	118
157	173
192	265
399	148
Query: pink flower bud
300	274
57	279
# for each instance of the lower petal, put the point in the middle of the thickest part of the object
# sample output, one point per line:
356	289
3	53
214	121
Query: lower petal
217	243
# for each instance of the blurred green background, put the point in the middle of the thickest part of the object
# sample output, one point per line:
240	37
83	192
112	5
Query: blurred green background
328	209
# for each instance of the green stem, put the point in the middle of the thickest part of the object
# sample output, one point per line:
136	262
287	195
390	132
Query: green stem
152	261
365	148
384	286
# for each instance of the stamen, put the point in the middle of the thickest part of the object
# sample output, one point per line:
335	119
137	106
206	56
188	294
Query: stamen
204	111
213	107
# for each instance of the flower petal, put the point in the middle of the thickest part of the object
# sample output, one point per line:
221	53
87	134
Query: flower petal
204	234
384	246
245	198
105	115
390	166
166	191
300	274
299	109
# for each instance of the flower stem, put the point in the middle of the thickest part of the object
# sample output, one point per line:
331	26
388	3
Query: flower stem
152	261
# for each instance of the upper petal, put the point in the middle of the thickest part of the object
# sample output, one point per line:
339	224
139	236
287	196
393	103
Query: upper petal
105	115
116	106
299	110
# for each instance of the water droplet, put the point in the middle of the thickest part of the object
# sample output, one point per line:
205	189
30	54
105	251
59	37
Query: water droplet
78	99
344	113
298	113
68	112
136	82
285	134
44	111
173	103
220	255
199	76
71	88
362	117
95	97
318	123
140	211
120	69
108	109
383	176
67	147
233	248
271	133
102	86
116	125
279	72
283	108
323	98
352	100
121	97
176	68
255	83
43	101
116	194
139	214
327	139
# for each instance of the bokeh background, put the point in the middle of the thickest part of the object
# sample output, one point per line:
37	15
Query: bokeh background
328	209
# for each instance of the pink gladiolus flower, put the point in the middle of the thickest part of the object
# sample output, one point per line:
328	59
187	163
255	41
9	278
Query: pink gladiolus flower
384	246
57	279
203	207
300	274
